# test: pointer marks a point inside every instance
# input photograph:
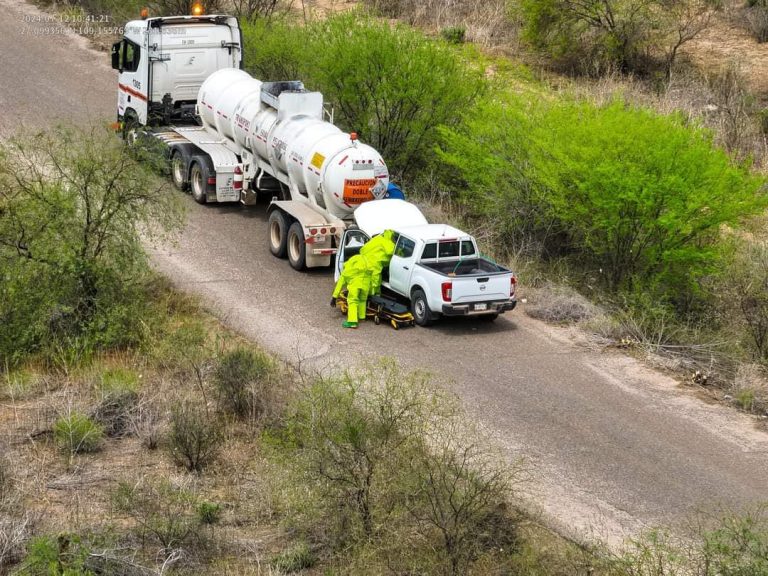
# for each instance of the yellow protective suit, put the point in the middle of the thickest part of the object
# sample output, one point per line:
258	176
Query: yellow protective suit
356	277
378	252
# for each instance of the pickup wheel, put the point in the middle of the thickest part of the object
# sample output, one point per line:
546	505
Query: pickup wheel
297	247
278	234
422	315
198	178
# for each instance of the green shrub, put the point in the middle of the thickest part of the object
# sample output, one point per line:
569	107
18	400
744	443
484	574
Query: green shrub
243	379
90	261
195	436
76	433
386	469
208	512
62	555
294	559
403	85
633	198
454	34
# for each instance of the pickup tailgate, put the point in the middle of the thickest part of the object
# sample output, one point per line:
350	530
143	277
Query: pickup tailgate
479	288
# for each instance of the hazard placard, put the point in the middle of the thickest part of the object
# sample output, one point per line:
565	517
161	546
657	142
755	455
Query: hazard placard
358	190
317	160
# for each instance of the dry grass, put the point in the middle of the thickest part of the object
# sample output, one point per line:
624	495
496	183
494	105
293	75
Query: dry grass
52	493
559	304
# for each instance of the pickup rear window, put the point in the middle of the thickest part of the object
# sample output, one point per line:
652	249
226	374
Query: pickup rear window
449	249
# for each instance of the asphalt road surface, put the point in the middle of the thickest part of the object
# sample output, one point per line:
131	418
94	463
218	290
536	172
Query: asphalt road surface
613	447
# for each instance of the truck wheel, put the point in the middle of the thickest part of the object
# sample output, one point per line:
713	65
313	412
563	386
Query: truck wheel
179	170
130	128
422	315
198	179
278	234
297	247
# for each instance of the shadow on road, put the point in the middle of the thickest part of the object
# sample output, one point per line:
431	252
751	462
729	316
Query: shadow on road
461	326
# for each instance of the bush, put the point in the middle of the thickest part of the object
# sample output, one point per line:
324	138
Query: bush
757	21
208	513
163	512
387	468
62	555
560	304
76	433
119	397
404	85
454	34
195	436
73	210
244	379
294	559
597	36
732	545
633	198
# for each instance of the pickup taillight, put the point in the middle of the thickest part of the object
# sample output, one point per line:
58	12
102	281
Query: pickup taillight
447	291
512	285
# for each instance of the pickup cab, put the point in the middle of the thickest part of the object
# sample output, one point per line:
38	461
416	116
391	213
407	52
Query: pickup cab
437	268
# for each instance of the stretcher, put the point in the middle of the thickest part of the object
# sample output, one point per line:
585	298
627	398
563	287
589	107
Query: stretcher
382	309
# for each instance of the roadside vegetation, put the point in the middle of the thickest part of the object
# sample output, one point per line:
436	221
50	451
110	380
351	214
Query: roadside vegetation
141	437
655	217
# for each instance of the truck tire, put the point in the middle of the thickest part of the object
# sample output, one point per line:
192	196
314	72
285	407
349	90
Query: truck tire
278	234
297	247
199	173
422	315
179	170
130	128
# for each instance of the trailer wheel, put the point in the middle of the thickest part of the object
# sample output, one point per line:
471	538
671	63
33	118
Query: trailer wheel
278	234
198	179
422	315
297	247
179	170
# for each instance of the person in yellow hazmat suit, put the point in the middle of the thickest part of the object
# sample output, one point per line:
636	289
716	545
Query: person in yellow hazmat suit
378	252
356	276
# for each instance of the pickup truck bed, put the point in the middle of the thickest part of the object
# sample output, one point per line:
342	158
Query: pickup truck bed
468	267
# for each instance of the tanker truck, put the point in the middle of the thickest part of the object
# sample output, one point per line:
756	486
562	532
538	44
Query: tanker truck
230	137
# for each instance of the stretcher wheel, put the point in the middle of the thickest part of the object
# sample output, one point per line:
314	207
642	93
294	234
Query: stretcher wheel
376	320
395	325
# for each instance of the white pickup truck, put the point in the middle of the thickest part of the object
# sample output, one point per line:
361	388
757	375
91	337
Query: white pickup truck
436	267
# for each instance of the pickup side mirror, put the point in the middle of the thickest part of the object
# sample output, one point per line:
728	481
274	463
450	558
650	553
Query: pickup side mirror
116	56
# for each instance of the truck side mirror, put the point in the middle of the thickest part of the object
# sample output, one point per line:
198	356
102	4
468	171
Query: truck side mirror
116	56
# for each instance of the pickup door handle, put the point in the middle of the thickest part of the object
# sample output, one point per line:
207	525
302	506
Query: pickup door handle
406	268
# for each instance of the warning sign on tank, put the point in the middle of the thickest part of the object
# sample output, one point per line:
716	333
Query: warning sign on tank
358	191
317	160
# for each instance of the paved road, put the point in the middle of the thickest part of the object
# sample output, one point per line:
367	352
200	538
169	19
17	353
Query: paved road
613	446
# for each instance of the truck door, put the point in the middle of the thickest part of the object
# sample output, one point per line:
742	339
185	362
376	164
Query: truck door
401	265
351	242
131	61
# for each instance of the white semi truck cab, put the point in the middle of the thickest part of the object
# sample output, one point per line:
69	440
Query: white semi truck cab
162	62
230	137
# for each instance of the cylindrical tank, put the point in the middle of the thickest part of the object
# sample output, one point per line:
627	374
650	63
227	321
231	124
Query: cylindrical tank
321	164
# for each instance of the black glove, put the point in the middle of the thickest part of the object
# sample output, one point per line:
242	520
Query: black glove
333	301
